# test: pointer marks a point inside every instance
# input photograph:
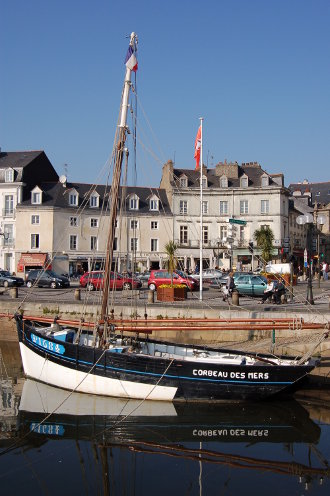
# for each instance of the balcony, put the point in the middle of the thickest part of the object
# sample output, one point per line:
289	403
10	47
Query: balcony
9	213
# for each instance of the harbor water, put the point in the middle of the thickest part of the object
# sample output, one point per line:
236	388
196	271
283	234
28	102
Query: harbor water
56	442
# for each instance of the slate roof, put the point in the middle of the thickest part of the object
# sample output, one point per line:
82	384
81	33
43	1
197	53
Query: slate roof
55	195
320	192
29	167
253	172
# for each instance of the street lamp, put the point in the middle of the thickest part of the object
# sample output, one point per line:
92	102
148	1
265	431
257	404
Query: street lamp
302	220
218	242
320	220
309	220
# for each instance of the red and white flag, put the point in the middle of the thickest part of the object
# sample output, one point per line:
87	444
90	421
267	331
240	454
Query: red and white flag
198	140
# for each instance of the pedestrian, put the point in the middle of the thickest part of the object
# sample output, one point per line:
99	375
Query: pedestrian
269	291
325	270
230	285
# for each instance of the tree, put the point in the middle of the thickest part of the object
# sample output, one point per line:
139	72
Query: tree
264	238
172	261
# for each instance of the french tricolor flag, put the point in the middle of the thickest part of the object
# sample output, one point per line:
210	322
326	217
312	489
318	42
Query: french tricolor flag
130	60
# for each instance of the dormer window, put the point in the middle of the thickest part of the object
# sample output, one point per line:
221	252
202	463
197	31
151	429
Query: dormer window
36	196
94	200
134	202
73	199
204	182
154	203
264	180
223	182
183	182
244	181
9	175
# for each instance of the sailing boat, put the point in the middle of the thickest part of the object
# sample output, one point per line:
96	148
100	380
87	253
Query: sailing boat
95	359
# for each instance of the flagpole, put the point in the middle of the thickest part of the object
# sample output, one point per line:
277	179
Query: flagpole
201	216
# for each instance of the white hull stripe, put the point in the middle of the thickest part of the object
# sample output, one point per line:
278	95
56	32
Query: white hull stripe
44	370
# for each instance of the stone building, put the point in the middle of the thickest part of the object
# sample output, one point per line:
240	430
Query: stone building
243	192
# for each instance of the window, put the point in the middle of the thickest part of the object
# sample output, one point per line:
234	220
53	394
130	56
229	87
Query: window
154	245
205	234
223	182
183	235
35	219
9	205
94	222
93	243
264	181
223	233
265	206
244	182
133	203
154	224
205	207
223	207
134	244
9	176
94	201
244	207
153	204
73	242
134	224
73	199
183	207
36	197
204	182
8	230
73	221
183	182
241	233
115	244
34	241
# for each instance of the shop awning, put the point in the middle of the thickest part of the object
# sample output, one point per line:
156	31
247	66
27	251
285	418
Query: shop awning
32	259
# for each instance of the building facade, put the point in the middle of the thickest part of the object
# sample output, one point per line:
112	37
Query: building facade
65	225
19	172
229	191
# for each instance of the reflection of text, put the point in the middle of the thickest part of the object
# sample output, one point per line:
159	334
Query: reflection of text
230	432
231	375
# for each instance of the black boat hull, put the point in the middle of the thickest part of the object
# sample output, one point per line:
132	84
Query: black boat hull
132	375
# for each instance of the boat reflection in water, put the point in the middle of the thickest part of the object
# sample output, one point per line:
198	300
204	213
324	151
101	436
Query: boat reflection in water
112	446
81	416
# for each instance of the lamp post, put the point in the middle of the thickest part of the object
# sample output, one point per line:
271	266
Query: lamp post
218	241
320	220
308	220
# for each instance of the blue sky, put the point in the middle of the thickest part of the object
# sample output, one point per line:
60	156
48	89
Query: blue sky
256	70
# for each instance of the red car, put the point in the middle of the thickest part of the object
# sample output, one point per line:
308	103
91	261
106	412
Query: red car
162	276
95	280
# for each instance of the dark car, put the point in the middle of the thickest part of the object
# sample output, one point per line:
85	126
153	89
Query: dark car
95	280
6	279
46	279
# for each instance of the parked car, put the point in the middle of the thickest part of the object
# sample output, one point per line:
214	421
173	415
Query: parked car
46	279
6	279
95	280
250	285
209	274
162	276
218	283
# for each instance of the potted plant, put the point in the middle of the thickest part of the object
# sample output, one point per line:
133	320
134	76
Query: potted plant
171	292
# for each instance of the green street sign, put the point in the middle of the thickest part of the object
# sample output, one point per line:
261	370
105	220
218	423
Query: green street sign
237	221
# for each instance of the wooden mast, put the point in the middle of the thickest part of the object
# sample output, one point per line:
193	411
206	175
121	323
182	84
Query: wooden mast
114	193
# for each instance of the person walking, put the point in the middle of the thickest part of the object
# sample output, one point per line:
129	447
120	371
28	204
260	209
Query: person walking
325	270
230	285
